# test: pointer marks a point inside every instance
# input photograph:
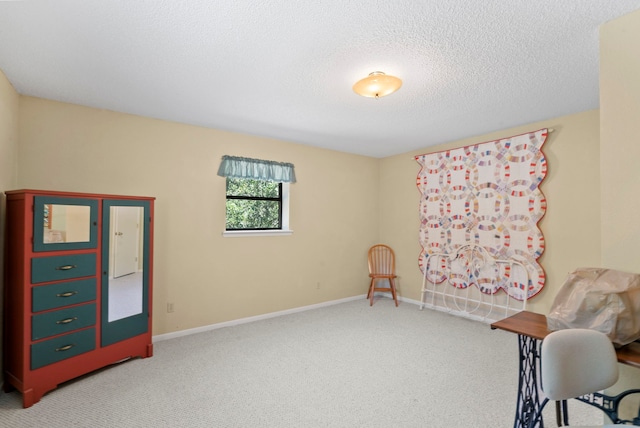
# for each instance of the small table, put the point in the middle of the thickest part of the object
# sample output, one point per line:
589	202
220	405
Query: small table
531	329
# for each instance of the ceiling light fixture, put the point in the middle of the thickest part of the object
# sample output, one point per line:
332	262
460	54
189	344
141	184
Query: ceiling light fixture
376	85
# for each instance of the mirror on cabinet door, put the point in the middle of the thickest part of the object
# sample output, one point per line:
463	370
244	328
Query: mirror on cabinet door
125	269
125	262
64	223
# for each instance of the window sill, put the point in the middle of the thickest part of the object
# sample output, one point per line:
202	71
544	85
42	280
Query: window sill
242	233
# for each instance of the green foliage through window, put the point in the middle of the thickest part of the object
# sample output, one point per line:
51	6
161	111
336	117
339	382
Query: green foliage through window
253	204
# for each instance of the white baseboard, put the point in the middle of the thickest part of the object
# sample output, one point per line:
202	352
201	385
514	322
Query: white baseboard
400	298
167	336
202	329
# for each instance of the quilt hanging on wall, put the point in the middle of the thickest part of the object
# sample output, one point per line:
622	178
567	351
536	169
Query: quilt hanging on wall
487	194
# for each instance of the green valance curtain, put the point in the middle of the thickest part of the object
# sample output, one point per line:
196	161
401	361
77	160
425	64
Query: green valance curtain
257	169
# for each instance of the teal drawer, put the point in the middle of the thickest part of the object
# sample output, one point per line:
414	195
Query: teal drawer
62	321
44	269
63	347
44	297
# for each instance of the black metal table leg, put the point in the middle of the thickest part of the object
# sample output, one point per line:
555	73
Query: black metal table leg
610	405
529	403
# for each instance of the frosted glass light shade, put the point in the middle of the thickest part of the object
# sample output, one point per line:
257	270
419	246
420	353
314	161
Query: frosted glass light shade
376	85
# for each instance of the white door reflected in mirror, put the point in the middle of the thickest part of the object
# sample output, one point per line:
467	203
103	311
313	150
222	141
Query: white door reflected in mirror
125	262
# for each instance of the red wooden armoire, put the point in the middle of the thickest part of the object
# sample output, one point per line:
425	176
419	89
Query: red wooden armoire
78	285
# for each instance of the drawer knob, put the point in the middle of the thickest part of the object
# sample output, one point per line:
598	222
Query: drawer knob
65	347
66	320
67	294
66	267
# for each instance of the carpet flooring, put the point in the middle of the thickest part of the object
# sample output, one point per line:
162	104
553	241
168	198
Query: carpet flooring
345	365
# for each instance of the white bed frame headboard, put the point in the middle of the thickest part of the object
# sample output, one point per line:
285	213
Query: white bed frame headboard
470	282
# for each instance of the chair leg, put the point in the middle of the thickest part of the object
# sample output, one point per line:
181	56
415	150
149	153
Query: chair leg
393	290
371	292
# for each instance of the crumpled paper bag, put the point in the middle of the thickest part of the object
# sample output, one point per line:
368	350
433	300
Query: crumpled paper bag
600	299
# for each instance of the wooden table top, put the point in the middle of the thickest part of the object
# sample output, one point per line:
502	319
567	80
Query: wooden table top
535	325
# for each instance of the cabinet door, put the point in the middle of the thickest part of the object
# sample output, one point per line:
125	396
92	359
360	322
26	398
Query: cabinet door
125	269
64	223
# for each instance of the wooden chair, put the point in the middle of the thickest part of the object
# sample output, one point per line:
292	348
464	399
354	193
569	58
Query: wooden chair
382	267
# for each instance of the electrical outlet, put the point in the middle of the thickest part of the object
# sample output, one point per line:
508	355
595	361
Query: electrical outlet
318	285
169	308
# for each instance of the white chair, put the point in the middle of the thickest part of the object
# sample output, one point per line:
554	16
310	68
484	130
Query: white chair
576	362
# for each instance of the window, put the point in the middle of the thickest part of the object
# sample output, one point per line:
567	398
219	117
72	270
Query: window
253	204
257	196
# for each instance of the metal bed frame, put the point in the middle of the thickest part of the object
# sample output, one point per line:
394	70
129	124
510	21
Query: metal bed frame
471	283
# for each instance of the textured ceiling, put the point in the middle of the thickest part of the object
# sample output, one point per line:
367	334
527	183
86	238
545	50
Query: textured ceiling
284	68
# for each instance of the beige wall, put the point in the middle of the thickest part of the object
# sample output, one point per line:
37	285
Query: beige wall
620	157
334	207
571	225
9	101
620	142
211	279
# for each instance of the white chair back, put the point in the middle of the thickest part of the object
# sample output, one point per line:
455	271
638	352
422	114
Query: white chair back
577	362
